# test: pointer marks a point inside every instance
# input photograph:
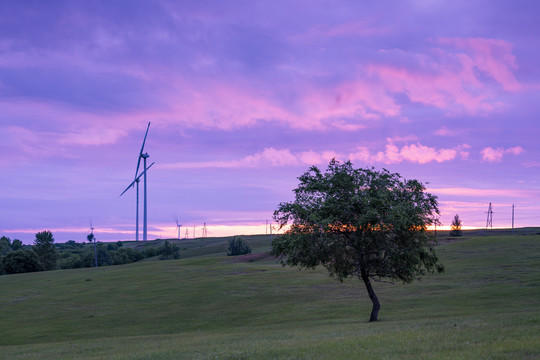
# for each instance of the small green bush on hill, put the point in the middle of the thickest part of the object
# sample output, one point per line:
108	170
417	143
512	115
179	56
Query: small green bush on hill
237	246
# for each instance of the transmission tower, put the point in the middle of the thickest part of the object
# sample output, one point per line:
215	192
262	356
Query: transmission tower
489	222
186	234
204	231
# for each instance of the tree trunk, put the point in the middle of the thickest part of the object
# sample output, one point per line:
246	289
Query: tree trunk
372	296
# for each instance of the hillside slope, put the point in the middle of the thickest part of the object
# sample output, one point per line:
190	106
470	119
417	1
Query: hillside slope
486	305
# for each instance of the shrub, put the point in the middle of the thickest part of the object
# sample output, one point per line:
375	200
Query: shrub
21	261
237	246
169	251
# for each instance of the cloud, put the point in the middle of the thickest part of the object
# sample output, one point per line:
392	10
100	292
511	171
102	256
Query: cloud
444	131
267	157
415	153
495	155
392	154
492	56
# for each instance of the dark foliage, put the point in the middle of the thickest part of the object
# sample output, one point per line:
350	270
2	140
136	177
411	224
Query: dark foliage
169	251
237	246
45	250
21	261
361	223
455	229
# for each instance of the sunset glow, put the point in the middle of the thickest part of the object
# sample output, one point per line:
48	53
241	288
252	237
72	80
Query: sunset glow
243	97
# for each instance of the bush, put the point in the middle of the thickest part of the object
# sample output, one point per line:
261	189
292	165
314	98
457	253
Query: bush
237	246
21	261
70	261
169	251
150	252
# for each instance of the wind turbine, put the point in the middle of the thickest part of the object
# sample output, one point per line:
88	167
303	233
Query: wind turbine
178	226
136	181
92	238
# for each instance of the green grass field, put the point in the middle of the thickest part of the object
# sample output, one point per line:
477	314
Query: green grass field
210	306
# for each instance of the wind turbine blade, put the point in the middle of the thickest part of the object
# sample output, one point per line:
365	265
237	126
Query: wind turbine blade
137	178
145	170
129	186
142	149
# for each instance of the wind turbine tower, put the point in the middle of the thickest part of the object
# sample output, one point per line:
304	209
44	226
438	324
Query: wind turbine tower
136	181
178	227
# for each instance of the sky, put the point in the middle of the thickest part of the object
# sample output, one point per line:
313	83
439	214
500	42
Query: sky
244	96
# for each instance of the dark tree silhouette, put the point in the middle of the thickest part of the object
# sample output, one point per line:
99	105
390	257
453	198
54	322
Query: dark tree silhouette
45	250
455	229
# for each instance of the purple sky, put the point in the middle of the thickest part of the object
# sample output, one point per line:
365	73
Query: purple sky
244	96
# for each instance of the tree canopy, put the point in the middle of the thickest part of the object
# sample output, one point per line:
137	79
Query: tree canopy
359	223
45	250
455	229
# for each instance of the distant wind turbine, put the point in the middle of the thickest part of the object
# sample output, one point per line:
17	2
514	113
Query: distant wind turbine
178	226
136	181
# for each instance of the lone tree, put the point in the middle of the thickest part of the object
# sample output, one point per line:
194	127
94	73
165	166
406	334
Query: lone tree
455	229
359	222
45	250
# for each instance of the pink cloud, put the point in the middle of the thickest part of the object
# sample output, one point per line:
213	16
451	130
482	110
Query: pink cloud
495	155
443	90
267	157
443	131
272	157
492	56
416	153
450	80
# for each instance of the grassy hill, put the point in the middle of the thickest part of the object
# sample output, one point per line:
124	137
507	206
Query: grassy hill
210	306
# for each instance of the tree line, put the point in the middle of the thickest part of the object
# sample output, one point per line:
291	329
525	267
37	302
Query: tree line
44	254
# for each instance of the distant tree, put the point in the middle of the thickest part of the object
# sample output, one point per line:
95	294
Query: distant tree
361	223
150	252
71	245
237	246
169	251
21	261
103	256
45	250
5	246
16	244
456	227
